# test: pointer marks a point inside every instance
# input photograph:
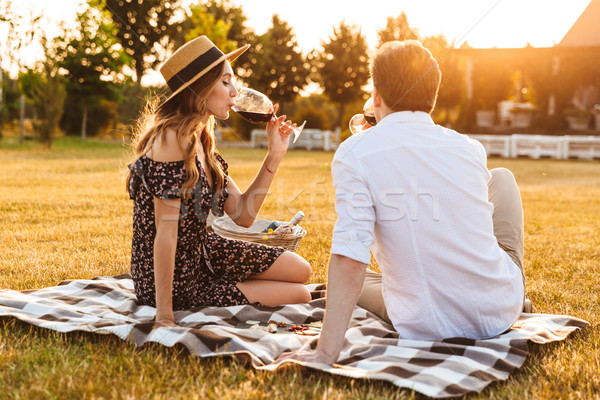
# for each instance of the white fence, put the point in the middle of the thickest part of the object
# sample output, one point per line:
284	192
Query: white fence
508	146
309	139
536	146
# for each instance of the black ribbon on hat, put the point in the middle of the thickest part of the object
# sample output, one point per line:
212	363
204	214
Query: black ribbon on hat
193	68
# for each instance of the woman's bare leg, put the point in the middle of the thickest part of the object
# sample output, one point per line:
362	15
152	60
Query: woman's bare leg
274	293
289	267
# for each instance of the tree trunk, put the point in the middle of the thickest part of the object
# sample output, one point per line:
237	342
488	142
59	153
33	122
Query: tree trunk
84	122
341	117
1	102
22	119
139	71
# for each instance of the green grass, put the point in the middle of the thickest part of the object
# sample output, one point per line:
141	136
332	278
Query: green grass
64	215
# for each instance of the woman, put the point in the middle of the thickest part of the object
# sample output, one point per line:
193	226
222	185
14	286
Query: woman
178	178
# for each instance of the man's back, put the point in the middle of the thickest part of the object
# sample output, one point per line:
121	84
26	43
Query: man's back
418	193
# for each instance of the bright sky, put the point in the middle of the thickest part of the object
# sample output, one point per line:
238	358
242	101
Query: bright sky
482	23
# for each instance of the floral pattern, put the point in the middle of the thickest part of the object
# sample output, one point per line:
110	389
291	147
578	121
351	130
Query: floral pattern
207	266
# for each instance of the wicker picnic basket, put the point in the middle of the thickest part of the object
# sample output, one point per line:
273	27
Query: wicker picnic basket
225	227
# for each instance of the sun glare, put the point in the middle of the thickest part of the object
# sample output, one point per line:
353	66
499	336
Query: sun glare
484	23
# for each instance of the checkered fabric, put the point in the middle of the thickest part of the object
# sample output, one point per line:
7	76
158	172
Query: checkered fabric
373	350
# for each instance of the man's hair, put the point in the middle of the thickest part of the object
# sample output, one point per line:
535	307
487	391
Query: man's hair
406	75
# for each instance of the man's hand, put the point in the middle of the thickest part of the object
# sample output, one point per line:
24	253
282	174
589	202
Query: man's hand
344	284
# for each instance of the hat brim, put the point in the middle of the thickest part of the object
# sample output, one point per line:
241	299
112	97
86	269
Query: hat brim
229	57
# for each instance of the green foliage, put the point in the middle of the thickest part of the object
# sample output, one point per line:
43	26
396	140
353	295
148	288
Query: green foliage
491	82
342	68
452	85
93	61
10	100
225	24
21	29
233	16
145	29
577	73
93	55
280	70
200	22
316	110
48	93
397	29
102	116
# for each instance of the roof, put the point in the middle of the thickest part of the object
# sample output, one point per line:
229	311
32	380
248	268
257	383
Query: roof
585	32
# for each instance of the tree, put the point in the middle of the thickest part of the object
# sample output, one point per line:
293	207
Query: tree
145	29
316	110
47	92
21	31
491	82
239	32
10	102
230	20
93	61
200	22
452	84
280	71
397	29
342	68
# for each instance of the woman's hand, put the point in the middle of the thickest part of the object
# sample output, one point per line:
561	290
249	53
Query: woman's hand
311	356
164	323
278	134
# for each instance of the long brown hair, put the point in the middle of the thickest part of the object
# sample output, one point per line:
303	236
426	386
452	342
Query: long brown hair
183	113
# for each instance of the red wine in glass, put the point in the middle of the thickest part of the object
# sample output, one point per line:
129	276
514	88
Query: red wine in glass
362	122
256	108
370	119
255	117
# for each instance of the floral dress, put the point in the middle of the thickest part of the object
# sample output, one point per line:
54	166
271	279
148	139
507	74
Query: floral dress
207	266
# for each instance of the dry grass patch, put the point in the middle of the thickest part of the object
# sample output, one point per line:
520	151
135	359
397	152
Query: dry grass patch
65	215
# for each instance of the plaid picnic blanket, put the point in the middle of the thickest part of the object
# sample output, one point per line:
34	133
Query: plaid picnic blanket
373	350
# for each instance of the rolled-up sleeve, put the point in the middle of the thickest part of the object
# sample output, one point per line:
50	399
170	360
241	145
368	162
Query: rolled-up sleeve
353	231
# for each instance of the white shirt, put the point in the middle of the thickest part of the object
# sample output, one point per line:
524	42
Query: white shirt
416	194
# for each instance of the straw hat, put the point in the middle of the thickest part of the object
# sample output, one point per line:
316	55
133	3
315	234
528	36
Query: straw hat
192	60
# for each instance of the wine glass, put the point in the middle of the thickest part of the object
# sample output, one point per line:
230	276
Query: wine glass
362	122
255	107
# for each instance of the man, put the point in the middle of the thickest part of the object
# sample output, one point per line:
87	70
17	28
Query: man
446	232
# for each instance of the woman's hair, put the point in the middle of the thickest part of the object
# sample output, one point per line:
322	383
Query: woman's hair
406	75
183	114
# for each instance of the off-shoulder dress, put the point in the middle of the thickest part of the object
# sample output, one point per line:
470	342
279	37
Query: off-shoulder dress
207	266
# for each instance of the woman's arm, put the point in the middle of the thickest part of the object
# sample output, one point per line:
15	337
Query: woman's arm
166	214
243	207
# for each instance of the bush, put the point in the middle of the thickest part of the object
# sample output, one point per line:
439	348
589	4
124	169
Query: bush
491	83
316	110
47	92
101	117
10	102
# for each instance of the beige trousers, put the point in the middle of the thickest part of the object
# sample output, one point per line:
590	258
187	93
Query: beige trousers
507	217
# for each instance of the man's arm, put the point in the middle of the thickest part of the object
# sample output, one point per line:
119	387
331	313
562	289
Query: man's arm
353	236
344	285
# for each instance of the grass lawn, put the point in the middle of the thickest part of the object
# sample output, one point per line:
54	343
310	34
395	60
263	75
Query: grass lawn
65	214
